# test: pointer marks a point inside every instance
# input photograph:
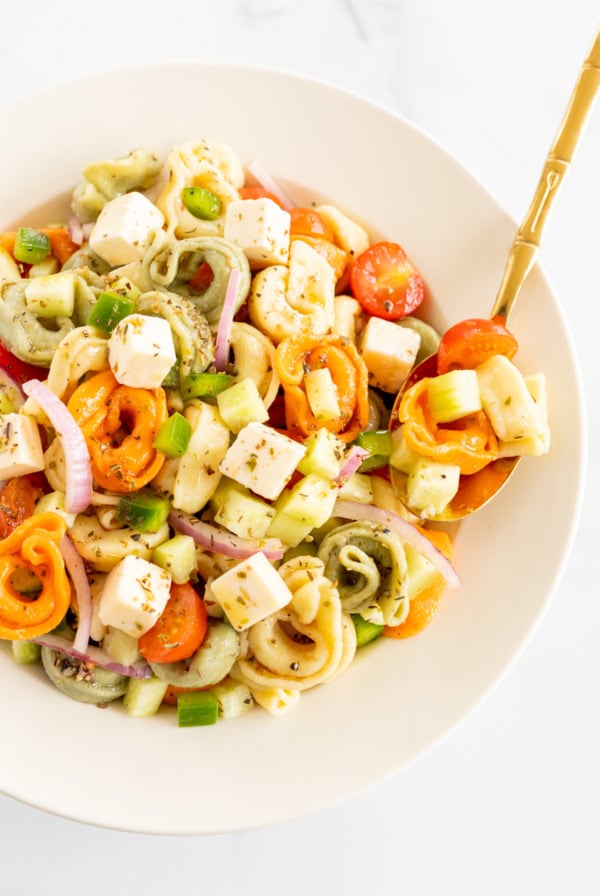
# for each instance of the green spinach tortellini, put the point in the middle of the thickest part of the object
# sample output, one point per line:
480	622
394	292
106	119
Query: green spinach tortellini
367	562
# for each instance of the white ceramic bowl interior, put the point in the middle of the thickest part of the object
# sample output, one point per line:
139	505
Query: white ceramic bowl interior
401	697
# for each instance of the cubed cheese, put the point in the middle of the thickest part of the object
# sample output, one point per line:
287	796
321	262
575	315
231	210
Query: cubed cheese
141	351
262	459
261	228
20	446
121	233
389	351
134	595
250	591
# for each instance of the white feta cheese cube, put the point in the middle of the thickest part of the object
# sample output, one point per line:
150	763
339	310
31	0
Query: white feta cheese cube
121	233
20	446
134	595
141	351
250	591
389	351
261	228
262	459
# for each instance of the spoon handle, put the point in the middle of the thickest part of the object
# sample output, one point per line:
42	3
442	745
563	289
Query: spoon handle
525	246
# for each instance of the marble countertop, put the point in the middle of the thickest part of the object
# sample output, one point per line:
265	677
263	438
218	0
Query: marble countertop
509	802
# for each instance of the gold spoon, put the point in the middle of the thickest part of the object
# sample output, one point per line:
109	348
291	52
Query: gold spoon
478	489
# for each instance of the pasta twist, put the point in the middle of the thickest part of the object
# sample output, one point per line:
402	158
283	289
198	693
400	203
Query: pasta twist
103	548
299	299
108	178
368	564
171	264
305	644
254	358
214	167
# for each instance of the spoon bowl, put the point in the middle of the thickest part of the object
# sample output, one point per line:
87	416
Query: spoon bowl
477	489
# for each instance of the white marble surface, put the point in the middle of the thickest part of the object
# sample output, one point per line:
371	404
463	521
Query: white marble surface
509	803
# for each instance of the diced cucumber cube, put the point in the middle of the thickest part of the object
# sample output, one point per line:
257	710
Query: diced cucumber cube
244	514
310	501
288	529
324	454
420	572
402	457
52	295
122	647
322	394
44	268
178	557
453	395
26	652
357	488
233	697
242	404
143	696
430	487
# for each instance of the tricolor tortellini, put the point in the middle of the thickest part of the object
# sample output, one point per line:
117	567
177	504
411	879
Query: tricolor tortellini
103	546
304	644
171	264
285	301
191	334
108	178
214	167
191	480
368	564
35	339
254	358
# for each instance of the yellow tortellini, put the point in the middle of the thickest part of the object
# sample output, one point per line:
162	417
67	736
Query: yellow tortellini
285	301
305	644
107	178
214	167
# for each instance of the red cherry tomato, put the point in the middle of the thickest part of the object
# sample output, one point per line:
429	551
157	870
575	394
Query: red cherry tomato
471	342
308	222
385	282
179	631
20	371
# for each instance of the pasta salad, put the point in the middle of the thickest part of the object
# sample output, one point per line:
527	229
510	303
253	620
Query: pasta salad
197	498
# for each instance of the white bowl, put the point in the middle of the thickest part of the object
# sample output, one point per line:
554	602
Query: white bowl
400	697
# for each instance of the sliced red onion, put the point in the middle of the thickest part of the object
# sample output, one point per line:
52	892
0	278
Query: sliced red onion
354	458
227	314
260	174
352	510
77	459
94	655
76	569
221	542
11	387
76	231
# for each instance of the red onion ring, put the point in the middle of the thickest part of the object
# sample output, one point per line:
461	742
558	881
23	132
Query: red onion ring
77	459
94	655
75	229
352	510
221	542
264	179
354	458
223	338
76	569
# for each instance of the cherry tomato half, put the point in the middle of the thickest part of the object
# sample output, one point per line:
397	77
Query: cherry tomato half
253	192
385	282
17	501
308	222
179	631
472	341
